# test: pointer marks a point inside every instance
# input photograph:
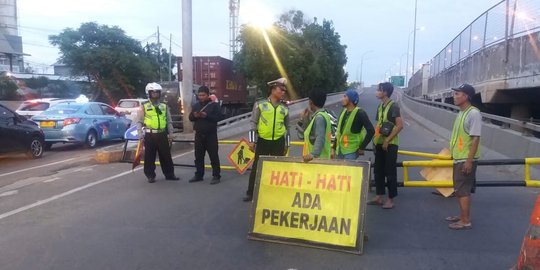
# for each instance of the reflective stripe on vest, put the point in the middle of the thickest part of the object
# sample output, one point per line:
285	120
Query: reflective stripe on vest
348	142
152	119
308	146
272	120
461	141
382	116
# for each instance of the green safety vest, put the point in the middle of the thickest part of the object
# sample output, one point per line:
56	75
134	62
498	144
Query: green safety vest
308	146
460	143
152	119
382	116
272	120
348	142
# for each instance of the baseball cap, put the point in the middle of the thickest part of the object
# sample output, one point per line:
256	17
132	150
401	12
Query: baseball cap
465	88
352	95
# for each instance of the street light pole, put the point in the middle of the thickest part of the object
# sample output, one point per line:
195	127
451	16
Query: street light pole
362	66
401	61
414	38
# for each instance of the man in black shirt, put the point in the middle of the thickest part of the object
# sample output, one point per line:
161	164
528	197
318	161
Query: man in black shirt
205	115
354	131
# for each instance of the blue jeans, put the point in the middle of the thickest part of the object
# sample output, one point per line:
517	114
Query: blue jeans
351	156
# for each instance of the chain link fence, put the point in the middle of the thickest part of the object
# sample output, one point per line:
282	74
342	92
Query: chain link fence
506	20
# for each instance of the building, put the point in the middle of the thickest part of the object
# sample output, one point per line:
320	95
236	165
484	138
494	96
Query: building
11	48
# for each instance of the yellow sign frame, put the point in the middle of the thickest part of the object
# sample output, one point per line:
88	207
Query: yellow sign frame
319	204
242	142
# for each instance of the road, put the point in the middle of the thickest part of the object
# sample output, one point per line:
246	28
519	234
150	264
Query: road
66	212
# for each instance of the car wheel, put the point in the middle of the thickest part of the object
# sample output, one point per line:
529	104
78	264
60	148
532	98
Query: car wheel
91	139
35	149
48	146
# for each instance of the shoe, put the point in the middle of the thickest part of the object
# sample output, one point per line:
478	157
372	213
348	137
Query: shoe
195	179
215	180
388	205
151	179
172	178
247	198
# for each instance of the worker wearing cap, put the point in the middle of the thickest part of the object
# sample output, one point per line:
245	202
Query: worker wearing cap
156	124
269	133
464	146
354	130
318	133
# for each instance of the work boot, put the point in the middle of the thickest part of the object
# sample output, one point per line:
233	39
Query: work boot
195	179
172	178
215	180
151	179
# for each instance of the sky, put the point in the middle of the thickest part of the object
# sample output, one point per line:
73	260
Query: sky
379	30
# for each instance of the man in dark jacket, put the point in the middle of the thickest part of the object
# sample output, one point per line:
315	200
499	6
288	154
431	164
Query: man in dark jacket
205	115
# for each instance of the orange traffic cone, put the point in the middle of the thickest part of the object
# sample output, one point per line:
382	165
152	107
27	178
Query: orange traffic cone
529	256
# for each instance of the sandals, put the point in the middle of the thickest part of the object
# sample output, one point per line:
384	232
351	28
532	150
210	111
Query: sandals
375	202
460	226
453	218
388	205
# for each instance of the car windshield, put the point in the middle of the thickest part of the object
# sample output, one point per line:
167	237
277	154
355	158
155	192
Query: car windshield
128	104
64	109
33	106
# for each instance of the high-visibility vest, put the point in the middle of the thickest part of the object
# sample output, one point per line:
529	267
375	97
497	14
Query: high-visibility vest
272	120
461	141
152	119
382	116
347	141
308	146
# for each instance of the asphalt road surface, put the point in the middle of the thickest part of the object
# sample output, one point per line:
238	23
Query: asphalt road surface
64	211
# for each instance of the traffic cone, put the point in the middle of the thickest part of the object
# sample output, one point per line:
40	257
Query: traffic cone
529	256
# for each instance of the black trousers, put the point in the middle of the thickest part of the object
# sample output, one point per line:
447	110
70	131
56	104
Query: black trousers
265	148
385	167
206	143
157	142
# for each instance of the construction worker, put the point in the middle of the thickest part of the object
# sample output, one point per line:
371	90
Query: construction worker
269	133
318	134
156	124
386	141
205	115
464	146
354	130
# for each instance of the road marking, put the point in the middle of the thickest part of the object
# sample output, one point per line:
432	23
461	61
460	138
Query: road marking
69	192
36	167
9	193
51	180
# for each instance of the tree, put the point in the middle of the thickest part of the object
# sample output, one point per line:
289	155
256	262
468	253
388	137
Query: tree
161	58
105	55
311	54
8	88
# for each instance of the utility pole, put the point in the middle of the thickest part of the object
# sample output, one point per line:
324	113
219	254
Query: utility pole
187	65
159	55
414	35
169	68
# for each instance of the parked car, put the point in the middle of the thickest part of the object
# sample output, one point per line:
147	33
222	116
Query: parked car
131	108
18	134
81	122
33	107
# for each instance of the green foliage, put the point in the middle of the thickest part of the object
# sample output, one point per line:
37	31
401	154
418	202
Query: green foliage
311	53
37	83
8	88
117	63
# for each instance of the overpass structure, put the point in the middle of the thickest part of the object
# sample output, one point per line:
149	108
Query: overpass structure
499	54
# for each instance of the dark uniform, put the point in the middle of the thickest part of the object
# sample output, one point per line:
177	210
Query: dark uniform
206	139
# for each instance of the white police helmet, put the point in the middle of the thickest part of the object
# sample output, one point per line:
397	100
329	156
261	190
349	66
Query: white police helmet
152	87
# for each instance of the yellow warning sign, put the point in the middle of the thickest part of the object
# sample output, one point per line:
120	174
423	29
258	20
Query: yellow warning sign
241	157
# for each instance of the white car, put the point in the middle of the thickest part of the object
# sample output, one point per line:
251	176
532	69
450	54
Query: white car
33	107
130	107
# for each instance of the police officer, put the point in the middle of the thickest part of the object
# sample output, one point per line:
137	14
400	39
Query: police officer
269	134
156	125
354	130
318	134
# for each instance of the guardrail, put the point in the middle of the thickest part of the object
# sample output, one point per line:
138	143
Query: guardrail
528	128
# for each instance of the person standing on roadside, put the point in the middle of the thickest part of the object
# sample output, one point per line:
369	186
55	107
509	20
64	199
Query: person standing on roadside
318	134
269	133
205	115
156	124
386	141
465	149
354	130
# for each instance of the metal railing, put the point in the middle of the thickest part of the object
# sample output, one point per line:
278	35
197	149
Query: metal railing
527	127
506	20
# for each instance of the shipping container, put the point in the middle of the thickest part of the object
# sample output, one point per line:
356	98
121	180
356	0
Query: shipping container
218	75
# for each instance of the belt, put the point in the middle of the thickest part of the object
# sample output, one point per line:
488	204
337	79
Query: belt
148	130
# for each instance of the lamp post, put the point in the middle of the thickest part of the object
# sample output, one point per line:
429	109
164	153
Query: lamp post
408	51
414	38
361	67
401	61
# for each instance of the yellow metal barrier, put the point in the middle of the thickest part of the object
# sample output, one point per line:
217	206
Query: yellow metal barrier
425	155
528	181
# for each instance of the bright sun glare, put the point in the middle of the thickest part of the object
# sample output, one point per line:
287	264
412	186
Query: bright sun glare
256	14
